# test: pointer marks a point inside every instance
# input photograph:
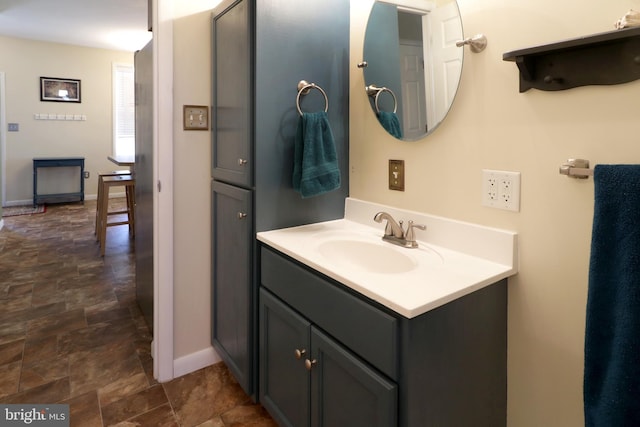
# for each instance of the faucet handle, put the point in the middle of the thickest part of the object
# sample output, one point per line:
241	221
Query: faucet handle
410	236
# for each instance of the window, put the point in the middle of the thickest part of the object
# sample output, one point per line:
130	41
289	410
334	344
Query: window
124	121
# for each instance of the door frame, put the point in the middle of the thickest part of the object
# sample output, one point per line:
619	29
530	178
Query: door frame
162	347
3	144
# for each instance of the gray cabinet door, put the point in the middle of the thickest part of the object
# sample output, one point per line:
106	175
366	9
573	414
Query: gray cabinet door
232	299
284	346
327	386
232	121
347	392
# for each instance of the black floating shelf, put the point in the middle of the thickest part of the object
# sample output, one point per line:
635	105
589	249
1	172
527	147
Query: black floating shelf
601	59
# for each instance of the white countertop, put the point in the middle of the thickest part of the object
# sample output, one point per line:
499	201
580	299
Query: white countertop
454	258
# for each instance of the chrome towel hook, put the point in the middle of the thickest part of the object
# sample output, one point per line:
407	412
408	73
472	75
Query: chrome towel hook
477	43
303	89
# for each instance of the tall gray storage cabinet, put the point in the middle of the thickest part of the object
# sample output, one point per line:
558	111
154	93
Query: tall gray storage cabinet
261	50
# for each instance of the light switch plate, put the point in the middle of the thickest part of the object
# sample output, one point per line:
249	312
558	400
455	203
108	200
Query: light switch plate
396	175
196	117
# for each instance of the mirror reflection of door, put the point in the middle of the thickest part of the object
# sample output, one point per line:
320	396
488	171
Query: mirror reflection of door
410	50
412	75
446	56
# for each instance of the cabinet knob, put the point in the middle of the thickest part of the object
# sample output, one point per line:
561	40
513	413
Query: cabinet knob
242	215
242	162
309	364
300	352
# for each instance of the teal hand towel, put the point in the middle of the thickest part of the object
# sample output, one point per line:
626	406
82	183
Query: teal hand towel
612	340
389	120
315	167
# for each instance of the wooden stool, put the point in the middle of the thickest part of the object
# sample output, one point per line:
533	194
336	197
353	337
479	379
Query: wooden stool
99	195
105	182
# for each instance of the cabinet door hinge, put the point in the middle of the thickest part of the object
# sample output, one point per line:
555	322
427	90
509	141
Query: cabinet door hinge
159	186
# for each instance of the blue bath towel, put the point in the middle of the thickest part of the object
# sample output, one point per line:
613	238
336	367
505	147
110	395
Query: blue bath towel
391	123
315	167
612	341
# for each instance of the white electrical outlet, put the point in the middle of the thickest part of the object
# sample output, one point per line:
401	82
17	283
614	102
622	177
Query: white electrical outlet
501	189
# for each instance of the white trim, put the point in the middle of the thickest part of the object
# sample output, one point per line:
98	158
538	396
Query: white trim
194	361
18	202
422	6
163	310
3	140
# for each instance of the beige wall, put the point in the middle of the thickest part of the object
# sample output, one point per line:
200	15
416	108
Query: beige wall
493	126
192	188
24	62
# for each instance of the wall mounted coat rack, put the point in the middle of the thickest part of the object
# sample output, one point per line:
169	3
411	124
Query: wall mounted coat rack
601	59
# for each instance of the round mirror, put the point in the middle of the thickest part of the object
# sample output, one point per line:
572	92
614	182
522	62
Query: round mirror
413	65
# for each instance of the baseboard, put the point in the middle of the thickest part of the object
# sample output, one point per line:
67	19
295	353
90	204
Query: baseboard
18	202
194	361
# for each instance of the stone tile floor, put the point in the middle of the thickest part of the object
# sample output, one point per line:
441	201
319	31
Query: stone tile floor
71	332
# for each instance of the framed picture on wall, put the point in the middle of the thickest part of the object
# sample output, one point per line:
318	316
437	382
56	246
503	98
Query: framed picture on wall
59	90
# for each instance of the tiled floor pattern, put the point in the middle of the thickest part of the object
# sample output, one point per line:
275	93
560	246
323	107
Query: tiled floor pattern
71	332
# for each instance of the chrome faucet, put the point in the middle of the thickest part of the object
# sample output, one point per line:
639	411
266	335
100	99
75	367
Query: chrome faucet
392	228
394	233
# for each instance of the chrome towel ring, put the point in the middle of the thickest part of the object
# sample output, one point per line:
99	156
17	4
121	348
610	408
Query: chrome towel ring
375	91
303	89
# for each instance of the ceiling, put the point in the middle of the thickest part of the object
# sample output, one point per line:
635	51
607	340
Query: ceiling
106	24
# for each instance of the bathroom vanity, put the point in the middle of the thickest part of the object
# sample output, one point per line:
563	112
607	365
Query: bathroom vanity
419	341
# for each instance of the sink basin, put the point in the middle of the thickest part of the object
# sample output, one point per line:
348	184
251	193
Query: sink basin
453	259
368	256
